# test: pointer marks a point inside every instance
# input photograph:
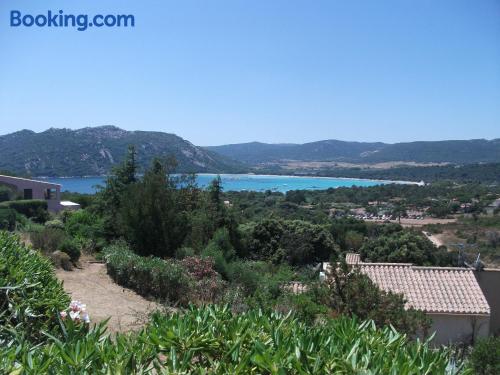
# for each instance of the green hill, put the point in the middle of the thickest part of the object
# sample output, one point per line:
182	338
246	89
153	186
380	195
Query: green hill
455	151
94	151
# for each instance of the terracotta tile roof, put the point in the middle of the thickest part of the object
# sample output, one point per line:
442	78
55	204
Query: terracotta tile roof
446	290
352	258
431	289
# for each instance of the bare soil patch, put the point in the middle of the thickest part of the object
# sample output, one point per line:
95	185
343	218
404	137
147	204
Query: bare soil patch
434	238
91	285
418	222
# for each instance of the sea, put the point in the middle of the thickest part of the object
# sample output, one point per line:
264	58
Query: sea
233	182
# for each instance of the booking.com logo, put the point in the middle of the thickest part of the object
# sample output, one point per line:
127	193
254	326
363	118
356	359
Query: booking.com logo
81	21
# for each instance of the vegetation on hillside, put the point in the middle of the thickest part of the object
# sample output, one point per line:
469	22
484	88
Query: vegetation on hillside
199	340
167	239
95	151
466	151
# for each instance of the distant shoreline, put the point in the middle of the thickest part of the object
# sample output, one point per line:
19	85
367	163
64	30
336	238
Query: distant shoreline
401	182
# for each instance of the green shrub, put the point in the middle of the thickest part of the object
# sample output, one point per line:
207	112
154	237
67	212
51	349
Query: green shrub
485	358
30	294
88	351
220	262
48	239
6	194
33	208
296	242
71	247
304	305
61	260
83	223
7	219
213	340
55	224
87	228
184	252
148	276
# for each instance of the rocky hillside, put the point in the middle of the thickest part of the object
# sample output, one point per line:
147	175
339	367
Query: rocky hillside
94	151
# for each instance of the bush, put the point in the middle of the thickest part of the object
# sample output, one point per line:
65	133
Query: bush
71	248
405	246
55	224
34	209
297	242
6	194
149	276
61	260
304	306
30	294
47	239
208	286
213	340
485	357
87	228
184	252
7	219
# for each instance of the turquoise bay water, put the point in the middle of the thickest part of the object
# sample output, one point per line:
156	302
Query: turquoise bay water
234	182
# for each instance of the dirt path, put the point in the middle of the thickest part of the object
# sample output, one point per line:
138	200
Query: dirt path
434	239
91	285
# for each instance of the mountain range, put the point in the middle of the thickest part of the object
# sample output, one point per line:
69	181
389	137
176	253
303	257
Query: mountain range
453	151
95	150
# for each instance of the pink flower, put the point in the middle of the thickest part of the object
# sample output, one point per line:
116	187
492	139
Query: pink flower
63	314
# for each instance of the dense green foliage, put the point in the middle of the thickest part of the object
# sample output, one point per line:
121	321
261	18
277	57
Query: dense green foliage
148	276
30	294
405	247
86	228
7	219
221	342
214	340
294	241
152	215
485	358
225	256
33	208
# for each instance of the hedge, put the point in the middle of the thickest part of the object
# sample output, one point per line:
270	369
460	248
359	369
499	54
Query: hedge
149	276
32	208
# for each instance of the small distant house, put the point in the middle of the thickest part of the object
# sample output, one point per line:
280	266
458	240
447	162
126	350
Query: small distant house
450	296
493	206
32	189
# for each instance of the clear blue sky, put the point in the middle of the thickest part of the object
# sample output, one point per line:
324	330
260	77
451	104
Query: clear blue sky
218	72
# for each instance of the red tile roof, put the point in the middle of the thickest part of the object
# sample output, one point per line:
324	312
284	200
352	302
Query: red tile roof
447	290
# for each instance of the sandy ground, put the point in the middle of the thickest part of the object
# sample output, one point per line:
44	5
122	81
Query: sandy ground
91	285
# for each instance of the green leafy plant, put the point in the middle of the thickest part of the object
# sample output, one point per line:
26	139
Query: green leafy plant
485	357
30	294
